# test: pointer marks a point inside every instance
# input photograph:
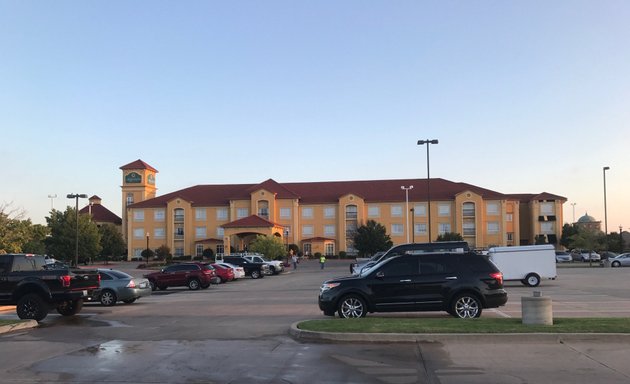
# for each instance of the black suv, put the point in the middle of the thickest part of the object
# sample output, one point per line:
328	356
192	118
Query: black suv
458	283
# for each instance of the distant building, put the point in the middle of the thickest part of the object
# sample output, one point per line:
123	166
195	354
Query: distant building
589	222
323	216
99	214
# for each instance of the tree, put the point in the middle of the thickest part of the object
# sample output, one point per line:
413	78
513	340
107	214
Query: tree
450	236
37	242
14	232
208	253
112	241
164	253
147	254
62	241
371	238
568	230
270	246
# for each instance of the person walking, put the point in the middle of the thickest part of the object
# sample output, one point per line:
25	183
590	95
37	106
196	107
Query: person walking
294	259
322	261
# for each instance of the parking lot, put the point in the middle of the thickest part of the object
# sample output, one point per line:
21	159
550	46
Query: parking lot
238	333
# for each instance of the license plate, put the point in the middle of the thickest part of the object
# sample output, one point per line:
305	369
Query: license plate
85	292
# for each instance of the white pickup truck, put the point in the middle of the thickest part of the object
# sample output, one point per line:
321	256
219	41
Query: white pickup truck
275	266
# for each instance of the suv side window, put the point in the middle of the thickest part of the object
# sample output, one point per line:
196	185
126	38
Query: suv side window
5	264
401	266
190	267
436	264
28	263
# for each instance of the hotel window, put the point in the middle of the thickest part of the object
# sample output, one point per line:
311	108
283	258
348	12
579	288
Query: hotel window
329	212
159	233
179	252
307	248
263	209
469	229
444	228
137	251
351	212
285	213
138	215
200	232
546	209
220	232
510	236
468	210
242	213
444	209
200	214
199	249
420	210
492	209
220	249
396	210
374	211
179	214
222	214
158	215
546	227
330	249
509	217
397	229
329	230
129	198
493	227
307	230
420	229
138	233
307	213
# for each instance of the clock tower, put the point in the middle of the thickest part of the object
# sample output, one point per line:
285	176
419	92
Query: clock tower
138	185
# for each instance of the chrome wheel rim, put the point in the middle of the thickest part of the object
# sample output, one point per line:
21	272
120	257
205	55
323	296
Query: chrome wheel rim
351	308
466	307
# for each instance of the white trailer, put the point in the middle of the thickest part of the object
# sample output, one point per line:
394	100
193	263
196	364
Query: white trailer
529	263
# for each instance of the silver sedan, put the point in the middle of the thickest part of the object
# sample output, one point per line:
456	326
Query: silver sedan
120	286
622	260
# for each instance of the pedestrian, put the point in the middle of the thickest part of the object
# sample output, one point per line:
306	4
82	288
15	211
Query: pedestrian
294	259
322	261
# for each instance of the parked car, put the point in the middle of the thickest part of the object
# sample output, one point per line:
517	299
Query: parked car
622	260
605	255
120	286
239	272
584	255
254	269
275	266
193	275
225	273
461	284
563	257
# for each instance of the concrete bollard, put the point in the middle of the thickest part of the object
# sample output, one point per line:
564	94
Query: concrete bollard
536	310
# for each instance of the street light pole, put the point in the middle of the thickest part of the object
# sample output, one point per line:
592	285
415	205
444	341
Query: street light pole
573	204
406	189
605	210
147	248
428	143
76	211
413	226
52	199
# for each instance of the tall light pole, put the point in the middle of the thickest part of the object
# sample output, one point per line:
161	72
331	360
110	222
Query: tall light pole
573	205
406	189
76	211
605	211
413	225
147	252
52	199
428	143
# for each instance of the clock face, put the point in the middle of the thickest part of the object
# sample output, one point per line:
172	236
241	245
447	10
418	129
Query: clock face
133	178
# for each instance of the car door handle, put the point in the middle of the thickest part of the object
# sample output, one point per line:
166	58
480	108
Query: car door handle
406	281
451	278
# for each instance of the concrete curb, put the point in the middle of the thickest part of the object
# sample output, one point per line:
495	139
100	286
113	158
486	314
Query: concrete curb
303	335
25	324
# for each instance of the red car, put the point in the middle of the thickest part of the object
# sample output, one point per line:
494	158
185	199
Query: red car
192	275
225	273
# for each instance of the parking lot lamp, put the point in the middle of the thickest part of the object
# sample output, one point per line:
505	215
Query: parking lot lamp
76	196
406	189
605	211
428	143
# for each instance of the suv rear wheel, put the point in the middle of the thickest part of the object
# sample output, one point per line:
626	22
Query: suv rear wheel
352	306
465	306
193	284
255	274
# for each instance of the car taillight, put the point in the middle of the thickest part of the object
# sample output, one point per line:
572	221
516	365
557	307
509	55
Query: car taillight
65	280
498	276
131	284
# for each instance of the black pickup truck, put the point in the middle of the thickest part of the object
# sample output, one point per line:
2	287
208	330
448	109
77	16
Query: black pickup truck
35	287
254	269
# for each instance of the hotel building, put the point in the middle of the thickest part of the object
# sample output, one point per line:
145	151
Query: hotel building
323	216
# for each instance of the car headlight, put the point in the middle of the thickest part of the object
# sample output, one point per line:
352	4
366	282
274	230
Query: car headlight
328	286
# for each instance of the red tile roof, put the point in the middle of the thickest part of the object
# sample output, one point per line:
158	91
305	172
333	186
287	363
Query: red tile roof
253	221
327	192
139	164
101	214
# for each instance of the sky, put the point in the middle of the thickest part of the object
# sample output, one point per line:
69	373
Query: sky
523	96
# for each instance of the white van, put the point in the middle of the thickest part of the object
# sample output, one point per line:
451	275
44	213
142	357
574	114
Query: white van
528	263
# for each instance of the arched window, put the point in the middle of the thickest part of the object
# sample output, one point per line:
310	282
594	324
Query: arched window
263	209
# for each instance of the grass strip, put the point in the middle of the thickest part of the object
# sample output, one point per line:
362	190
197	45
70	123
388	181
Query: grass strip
453	325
